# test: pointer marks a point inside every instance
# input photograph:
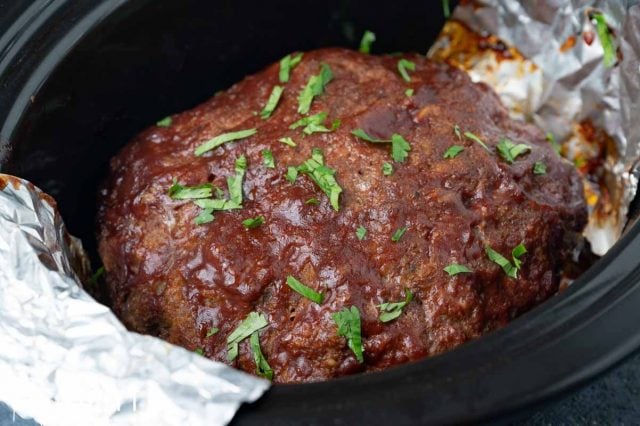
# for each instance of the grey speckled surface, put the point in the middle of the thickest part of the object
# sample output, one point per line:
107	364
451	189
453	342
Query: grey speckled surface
613	399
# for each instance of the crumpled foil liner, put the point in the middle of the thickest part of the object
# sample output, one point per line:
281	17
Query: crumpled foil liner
67	360
545	61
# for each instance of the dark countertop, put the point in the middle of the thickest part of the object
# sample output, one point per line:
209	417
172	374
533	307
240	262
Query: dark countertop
611	399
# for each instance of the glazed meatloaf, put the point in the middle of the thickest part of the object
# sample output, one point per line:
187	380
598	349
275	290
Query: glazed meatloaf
336	213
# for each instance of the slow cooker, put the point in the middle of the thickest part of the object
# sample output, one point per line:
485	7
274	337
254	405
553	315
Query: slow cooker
79	78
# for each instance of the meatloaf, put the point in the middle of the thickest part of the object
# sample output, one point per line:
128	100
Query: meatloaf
376	211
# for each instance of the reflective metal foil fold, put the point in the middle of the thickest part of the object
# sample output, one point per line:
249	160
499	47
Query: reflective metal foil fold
546	61
67	360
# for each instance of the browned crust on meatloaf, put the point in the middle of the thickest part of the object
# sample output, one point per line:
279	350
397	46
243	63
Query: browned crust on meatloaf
171	278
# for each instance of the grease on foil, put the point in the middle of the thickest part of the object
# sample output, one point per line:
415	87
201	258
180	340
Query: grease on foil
67	360
546	62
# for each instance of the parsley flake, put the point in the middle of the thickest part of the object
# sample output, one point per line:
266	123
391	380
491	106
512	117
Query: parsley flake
253	322
453	151
510	269
315	87
96	277
272	102
403	66
263	369
509	151
205	216
165	122
287	141
455	269
387	169
361	232
234	184
287	64
268	160
305	291
457	131
199	351
392	310
398	234
180	192
408	93
539	168
253	222
323	176
222	139
399	146
554	144
312	201
606	39
446	9
212	331
292	174
348	322
367	40
476	139
315	124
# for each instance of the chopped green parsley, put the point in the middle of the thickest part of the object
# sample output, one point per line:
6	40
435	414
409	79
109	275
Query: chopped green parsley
509	151
267	157
292	174
263	369
457	131
367	40
403	66
305	291
212	331
361	232
315	124
476	139
387	169
392	310
287	141
312	201
180	192
508	268
349	327
253	222
446	9
399	146
409	92
272	102
222	139
455	269
165	122
205	216
253	322
234	184
554	144
199	351
323	176
539	168
94	280
453	151
315	87
606	39
287	64
398	234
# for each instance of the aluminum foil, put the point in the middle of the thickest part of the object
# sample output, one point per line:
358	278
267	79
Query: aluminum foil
546	62
67	360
